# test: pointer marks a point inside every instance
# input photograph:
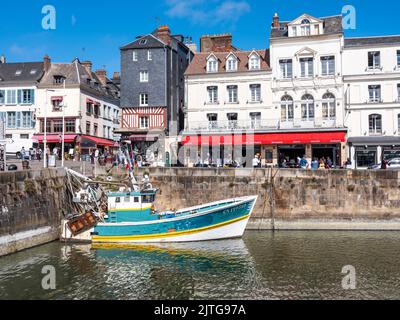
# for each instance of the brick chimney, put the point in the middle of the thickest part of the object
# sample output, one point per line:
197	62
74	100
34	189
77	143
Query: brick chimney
216	43
102	75
46	63
275	21
88	66
116	75
3	59
164	34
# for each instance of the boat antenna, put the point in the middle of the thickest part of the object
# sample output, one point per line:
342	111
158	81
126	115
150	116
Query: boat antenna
134	183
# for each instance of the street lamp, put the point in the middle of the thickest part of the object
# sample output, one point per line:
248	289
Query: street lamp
63	129
45	130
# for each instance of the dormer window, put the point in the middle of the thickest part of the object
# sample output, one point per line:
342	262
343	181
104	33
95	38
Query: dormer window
212	64
143	42
231	63
254	62
58	79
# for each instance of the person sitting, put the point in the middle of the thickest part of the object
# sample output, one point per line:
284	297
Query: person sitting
304	163
315	164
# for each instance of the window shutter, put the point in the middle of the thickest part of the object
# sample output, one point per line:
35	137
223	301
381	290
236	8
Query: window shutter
33	96
19	116
19	97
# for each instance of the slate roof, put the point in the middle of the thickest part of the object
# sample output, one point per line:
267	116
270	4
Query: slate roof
199	62
76	74
332	25
370	41
8	72
151	42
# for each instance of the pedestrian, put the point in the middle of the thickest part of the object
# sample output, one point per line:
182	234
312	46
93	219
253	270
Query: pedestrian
39	154
322	164
348	164
384	164
92	156
329	163
23	153
315	164
304	163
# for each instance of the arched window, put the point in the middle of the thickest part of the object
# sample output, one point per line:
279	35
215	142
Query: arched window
328	106
307	107
305	27
287	109
375	124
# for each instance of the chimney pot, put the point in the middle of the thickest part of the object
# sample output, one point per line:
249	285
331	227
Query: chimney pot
88	66
116	75
46	63
275	20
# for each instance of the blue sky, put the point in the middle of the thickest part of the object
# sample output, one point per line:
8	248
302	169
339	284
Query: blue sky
95	29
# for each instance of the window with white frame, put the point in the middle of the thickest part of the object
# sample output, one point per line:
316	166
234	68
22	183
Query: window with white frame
11	97
398	124
144	99
307	107
27	119
375	124
307	67
134	56
286	68
255	92
398	92
144	122
149	55
305	27
212	120
232	94
255	118
374	93
328	106
398	58
27	96
212	94
144	76
11	119
287	108
231	64
212	65
254	62
374	60
328	66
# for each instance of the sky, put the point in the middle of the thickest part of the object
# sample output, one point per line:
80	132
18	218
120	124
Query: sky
95	29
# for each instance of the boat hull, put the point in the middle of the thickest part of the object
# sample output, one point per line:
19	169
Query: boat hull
223	222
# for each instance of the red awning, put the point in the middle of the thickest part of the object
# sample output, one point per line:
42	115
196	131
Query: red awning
89	100
100	141
144	137
268	139
57	98
55	138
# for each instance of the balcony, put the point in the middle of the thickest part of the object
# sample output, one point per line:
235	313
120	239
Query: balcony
262	125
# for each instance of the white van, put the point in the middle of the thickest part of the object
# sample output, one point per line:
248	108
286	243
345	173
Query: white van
14	147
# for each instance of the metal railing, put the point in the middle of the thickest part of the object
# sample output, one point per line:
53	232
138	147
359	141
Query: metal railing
265	125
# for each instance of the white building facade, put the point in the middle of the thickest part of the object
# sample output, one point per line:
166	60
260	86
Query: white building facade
371	68
18	103
307	87
228	101
87	102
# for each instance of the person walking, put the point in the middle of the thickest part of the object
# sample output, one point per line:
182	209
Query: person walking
23	153
304	163
315	164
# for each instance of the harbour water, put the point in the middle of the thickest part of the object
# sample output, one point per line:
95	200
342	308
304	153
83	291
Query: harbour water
262	265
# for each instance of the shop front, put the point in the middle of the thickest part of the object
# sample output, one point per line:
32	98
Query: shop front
274	148
365	152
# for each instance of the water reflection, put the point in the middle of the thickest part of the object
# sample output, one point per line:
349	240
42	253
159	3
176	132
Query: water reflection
287	265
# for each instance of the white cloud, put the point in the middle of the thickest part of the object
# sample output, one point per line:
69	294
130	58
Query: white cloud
208	11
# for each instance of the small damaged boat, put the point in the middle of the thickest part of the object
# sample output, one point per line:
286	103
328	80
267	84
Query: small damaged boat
129	216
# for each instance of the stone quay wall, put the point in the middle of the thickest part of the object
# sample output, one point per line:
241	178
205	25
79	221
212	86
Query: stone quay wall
31	207
290	199
32	202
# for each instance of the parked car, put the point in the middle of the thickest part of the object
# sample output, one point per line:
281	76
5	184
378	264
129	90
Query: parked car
392	164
